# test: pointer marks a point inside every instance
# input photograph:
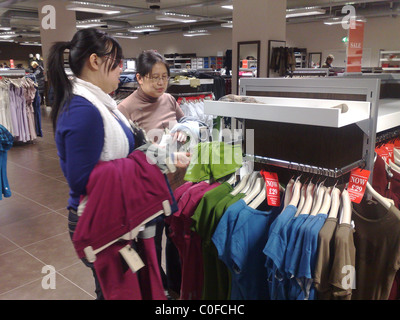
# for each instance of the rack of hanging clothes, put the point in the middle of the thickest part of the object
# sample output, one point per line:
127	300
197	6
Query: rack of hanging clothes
20	107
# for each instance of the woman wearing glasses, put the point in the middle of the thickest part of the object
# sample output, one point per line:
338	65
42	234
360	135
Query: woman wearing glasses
150	106
155	110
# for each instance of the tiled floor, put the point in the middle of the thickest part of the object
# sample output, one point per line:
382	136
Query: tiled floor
33	228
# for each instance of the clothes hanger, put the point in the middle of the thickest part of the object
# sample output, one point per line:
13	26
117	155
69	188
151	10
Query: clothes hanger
326	204
345	216
250	181
387	203
302	197
396	154
255	190
320	197
240	185
309	200
394	166
335	203
288	192
296	193
259	198
232	179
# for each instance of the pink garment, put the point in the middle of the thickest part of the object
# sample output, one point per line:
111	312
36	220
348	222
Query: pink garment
117	280
121	194
149	276
188	242
115	202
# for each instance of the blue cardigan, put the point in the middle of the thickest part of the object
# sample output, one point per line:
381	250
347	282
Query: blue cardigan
80	138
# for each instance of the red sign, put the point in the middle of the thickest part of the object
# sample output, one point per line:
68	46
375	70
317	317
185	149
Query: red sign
358	184
12	63
355	47
272	186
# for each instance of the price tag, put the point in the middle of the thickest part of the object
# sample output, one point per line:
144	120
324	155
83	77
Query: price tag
272	186
390	147
383	153
357	184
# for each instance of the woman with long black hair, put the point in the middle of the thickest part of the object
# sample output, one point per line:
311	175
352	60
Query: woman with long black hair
87	124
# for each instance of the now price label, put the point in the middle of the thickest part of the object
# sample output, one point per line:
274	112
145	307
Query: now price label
272	186
357	184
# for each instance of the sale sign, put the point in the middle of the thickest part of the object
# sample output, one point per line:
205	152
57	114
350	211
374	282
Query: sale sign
272	187
355	46
357	184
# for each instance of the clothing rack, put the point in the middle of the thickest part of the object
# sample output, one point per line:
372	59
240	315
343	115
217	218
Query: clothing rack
190	94
332	173
388	135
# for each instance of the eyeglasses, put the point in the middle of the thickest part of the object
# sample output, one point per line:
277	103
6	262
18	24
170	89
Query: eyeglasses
155	79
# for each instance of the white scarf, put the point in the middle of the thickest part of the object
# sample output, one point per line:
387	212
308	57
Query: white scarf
116	144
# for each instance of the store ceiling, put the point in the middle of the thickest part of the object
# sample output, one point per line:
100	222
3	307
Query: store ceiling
22	15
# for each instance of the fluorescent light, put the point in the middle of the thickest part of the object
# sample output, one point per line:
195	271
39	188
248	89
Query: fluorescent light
5	28
291	13
92	7
30	44
125	36
230	7
6	40
228	24
195	33
146	28
93	23
176	17
339	20
8	35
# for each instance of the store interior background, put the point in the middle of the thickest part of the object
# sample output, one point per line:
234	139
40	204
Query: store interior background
381	29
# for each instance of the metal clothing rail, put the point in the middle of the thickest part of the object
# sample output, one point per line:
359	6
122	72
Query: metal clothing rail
333	173
190	94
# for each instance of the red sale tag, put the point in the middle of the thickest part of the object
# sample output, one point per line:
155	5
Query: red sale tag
383	153
357	184
397	143
389	147
272	186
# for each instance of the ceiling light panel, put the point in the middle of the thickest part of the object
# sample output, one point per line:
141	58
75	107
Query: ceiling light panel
176	17
92	7
196	33
310	11
145	28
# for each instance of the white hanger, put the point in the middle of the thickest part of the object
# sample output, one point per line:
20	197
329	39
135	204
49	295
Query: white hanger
232	179
255	190
302	197
296	193
346	208
318	203
309	200
382	200
396	154
326	204
394	166
288	192
240	185
335	203
250	181
259	198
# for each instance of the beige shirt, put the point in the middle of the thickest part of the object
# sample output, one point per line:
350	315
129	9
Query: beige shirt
151	114
377	241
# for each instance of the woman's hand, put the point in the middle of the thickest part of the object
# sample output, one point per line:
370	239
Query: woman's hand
181	159
179	136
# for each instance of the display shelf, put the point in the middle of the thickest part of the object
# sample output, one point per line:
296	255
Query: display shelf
317	112
389	60
186	82
388	114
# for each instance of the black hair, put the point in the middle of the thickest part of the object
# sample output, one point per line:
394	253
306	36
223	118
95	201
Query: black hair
84	43
146	61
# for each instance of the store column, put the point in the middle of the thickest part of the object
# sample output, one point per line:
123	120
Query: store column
256	20
56	24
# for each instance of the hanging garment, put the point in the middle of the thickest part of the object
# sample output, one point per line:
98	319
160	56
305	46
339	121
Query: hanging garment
205	221
6	142
188	242
240	238
5	112
324	261
377	242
